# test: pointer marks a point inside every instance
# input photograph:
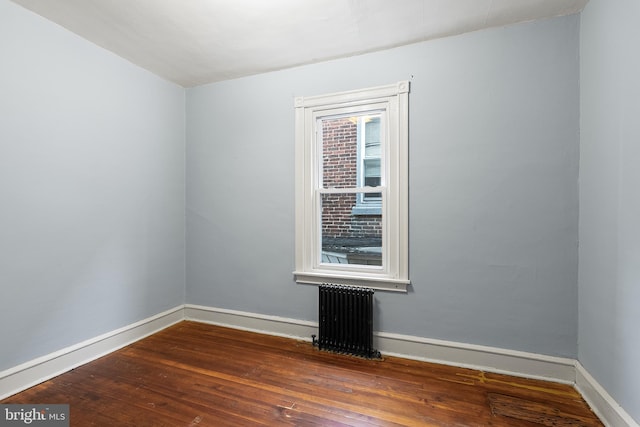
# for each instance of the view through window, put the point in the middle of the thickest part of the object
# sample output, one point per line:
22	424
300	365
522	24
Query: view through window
351	159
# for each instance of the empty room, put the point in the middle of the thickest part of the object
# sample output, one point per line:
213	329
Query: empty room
330	213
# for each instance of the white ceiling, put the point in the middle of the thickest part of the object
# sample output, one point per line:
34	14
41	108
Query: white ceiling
193	42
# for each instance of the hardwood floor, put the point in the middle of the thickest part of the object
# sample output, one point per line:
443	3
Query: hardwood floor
194	374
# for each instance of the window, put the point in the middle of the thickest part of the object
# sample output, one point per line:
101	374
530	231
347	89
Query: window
352	188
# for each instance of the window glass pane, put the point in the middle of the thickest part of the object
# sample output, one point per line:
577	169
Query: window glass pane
347	238
339	152
340	157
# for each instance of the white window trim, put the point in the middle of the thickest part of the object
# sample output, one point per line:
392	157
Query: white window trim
394	274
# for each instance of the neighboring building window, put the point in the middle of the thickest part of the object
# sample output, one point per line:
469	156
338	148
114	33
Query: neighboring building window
352	188
368	170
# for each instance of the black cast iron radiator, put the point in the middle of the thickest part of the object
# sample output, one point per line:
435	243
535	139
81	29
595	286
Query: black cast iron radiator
346	320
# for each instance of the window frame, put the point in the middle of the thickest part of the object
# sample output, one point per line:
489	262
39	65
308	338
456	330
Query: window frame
393	100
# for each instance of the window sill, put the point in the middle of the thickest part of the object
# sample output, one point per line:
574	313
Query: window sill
366	210
378	283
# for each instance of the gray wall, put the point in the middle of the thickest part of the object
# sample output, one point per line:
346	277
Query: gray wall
91	189
609	277
493	187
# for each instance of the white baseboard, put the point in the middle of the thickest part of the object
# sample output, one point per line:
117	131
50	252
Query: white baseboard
21	377
487	359
246	321
483	358
604	406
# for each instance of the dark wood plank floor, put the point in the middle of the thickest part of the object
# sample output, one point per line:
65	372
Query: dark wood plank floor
194	374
